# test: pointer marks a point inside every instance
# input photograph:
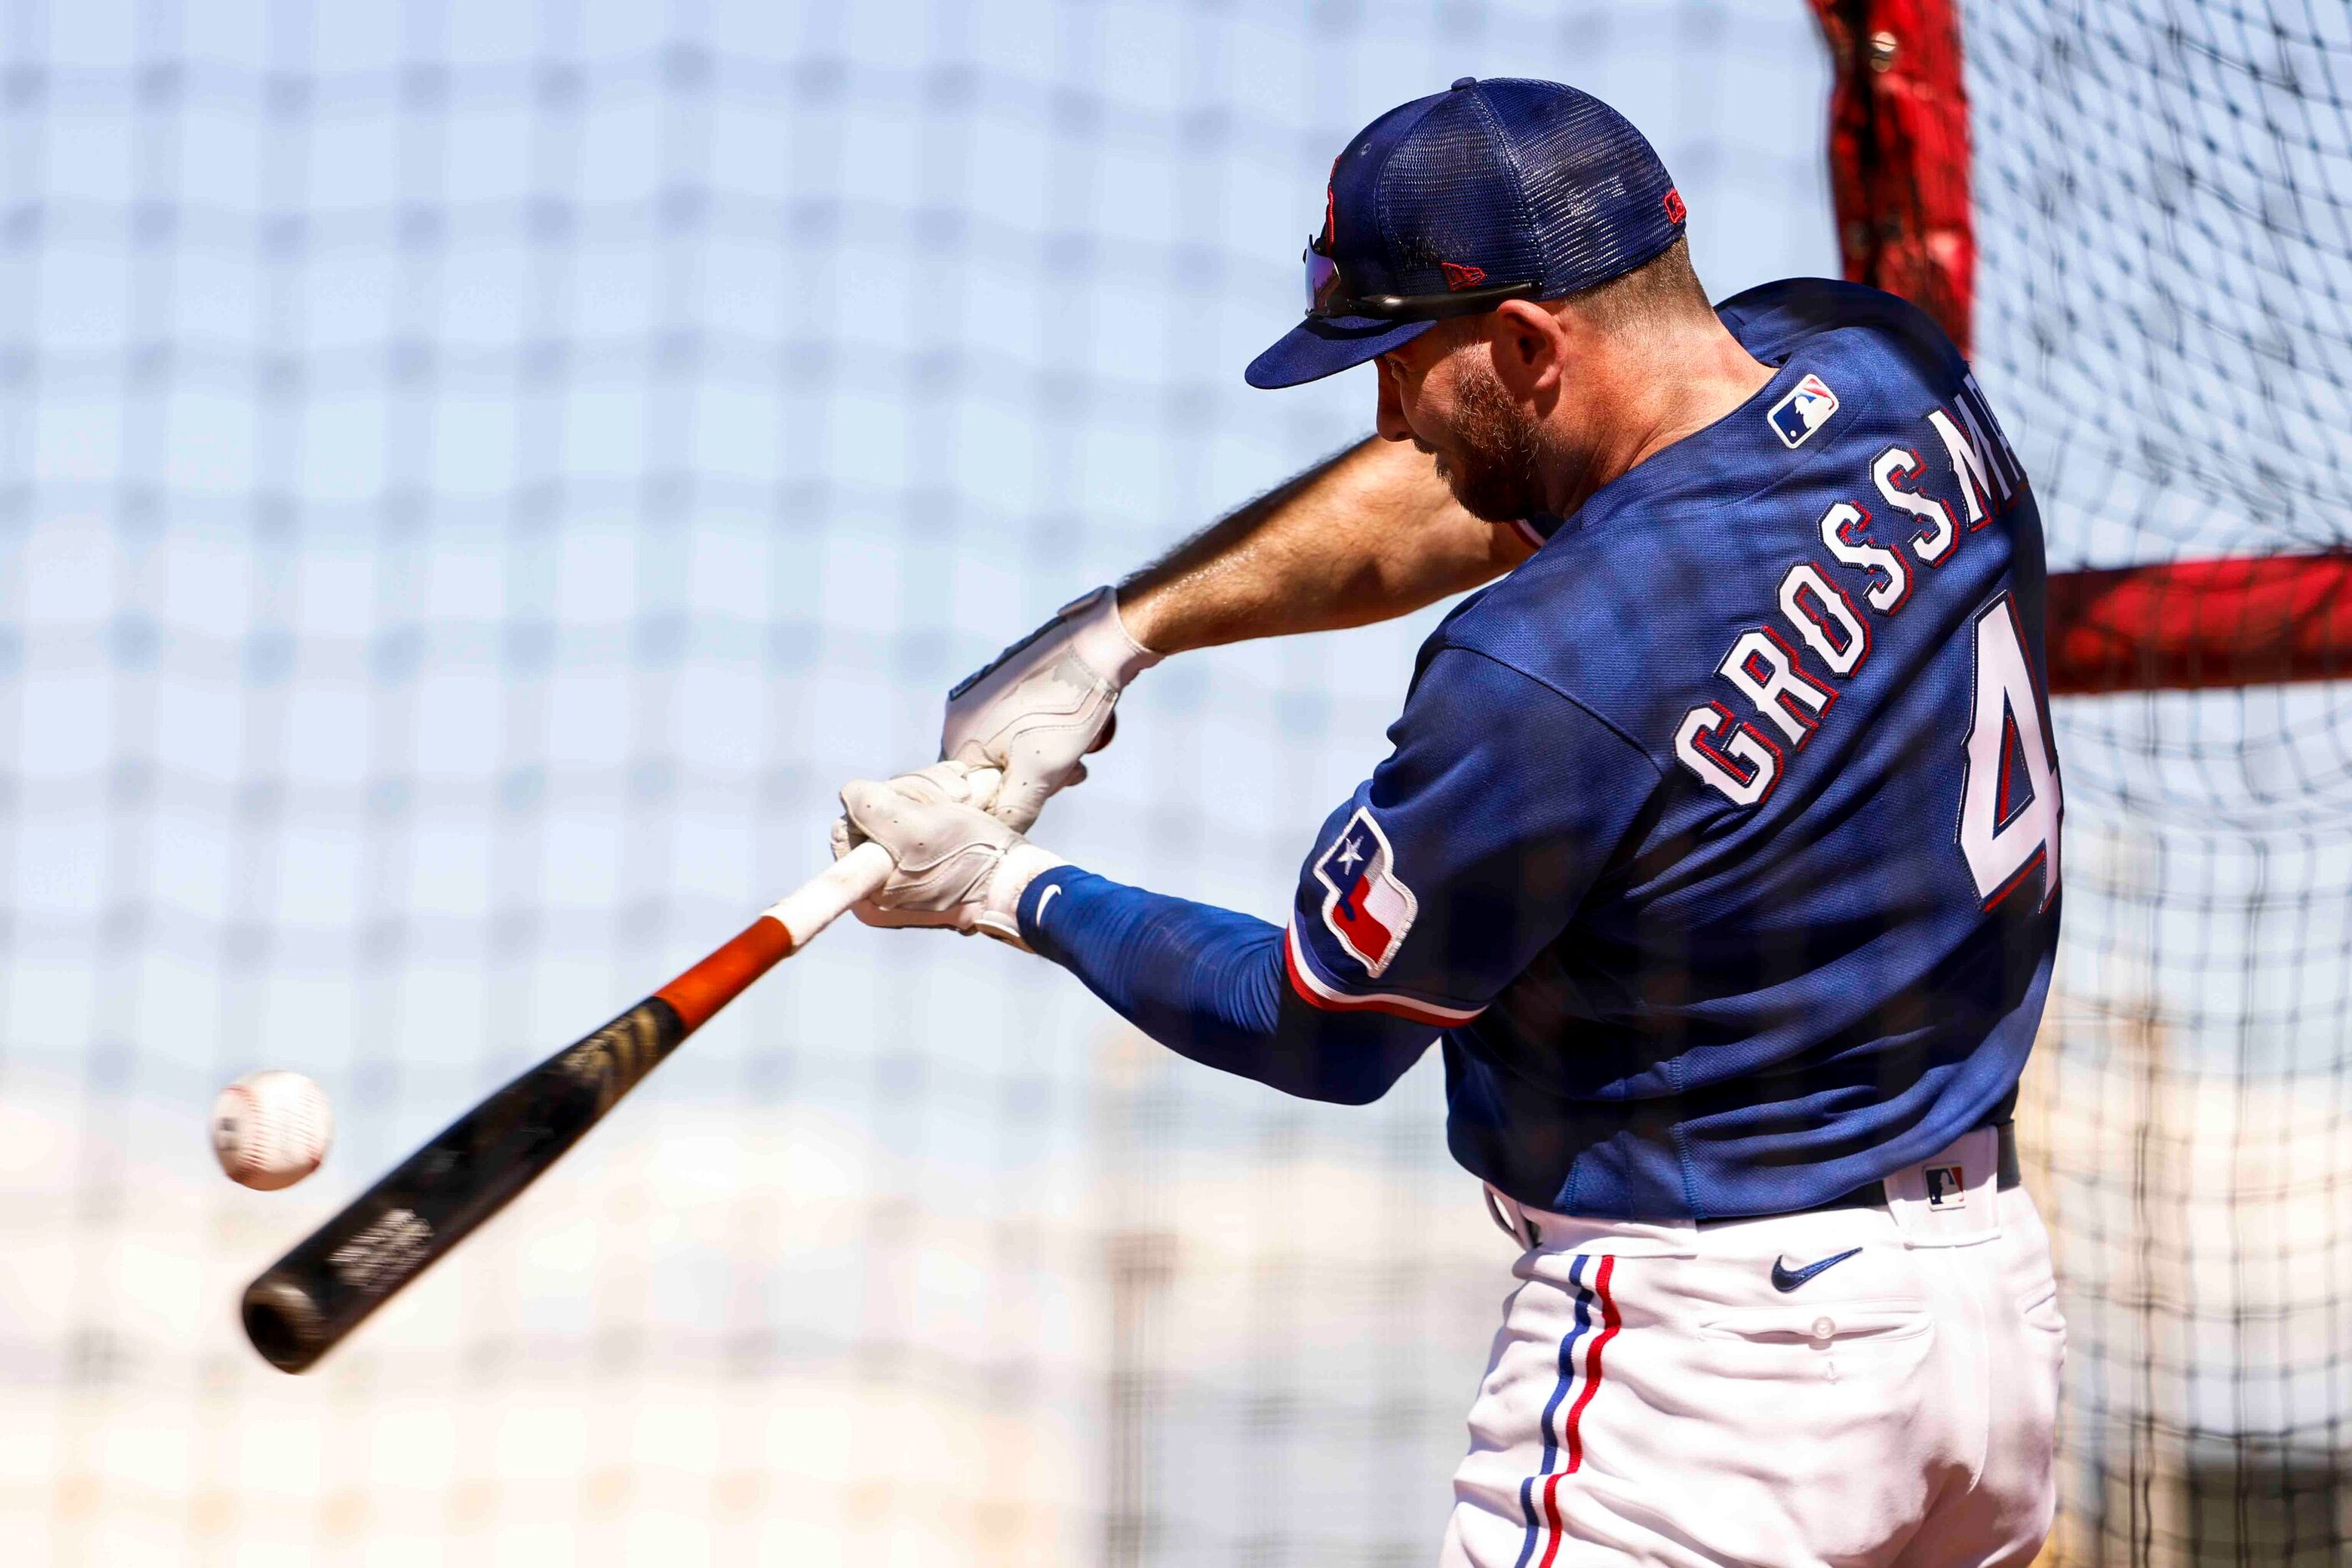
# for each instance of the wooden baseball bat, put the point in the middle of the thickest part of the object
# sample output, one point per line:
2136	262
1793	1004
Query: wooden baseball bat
308	1302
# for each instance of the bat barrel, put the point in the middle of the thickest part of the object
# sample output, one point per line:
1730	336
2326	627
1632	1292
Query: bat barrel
304	1304
282	1319
307	1301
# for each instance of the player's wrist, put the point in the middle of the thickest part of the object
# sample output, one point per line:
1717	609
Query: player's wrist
1104	641
999	912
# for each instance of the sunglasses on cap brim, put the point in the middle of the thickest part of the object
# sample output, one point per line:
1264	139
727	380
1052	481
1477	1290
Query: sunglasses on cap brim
1327	296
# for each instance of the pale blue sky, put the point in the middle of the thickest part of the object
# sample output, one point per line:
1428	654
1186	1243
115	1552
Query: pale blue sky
487	475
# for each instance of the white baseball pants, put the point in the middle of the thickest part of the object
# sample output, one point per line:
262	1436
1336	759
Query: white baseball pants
1685	1394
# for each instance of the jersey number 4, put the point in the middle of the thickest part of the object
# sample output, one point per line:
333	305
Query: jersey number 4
2010	804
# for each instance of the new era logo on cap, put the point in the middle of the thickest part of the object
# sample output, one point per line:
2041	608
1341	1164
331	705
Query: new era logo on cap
1805	410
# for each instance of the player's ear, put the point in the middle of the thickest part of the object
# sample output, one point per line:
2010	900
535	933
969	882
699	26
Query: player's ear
1389	416
1530	347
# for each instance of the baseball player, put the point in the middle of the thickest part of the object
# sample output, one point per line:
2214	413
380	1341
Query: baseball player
1717	848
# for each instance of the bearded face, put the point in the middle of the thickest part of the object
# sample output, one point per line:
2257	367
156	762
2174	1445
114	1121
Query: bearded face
1489	457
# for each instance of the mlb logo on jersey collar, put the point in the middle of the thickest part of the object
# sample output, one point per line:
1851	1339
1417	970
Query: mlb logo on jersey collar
1805	410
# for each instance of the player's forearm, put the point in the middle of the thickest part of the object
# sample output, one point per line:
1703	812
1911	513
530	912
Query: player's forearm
1366	536
1370	534
1209	985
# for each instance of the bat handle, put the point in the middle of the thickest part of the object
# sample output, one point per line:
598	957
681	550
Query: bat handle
856	876
827	896
790	924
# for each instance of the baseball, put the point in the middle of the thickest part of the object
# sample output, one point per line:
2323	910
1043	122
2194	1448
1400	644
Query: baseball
271	1129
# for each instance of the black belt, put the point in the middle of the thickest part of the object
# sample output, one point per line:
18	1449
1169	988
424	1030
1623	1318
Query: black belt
1869	1195
1873	1194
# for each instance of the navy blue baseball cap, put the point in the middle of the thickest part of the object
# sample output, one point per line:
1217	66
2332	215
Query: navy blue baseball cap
1455	203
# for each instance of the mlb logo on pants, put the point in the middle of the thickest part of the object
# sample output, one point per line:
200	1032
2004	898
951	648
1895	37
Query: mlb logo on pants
1947	1187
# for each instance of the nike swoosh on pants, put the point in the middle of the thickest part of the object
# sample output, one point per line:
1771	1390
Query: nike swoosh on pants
1787	1279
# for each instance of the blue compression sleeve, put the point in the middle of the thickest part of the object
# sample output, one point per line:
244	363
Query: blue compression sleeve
1210	985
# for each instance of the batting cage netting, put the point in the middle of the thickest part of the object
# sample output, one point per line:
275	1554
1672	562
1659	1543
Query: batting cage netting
476	480
2162	281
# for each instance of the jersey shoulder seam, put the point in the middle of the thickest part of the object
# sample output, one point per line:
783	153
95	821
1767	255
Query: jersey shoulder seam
1450	645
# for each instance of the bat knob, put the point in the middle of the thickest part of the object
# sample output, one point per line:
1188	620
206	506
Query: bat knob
283	1323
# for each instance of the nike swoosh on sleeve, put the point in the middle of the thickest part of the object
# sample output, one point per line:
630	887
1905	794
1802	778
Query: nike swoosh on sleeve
1043	899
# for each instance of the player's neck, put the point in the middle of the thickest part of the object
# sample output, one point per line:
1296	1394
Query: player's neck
1657	393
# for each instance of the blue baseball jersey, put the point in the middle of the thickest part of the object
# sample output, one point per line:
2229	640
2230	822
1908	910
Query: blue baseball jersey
1720	837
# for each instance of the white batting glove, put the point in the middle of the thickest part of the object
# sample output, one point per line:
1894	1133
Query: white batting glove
1044	703
957	867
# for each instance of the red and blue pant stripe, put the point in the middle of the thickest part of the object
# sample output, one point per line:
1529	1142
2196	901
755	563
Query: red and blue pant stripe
1563	1439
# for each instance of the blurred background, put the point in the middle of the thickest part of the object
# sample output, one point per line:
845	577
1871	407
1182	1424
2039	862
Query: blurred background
475	480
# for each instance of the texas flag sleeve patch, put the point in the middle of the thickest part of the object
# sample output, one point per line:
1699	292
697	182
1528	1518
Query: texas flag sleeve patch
1366	909
1365	904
